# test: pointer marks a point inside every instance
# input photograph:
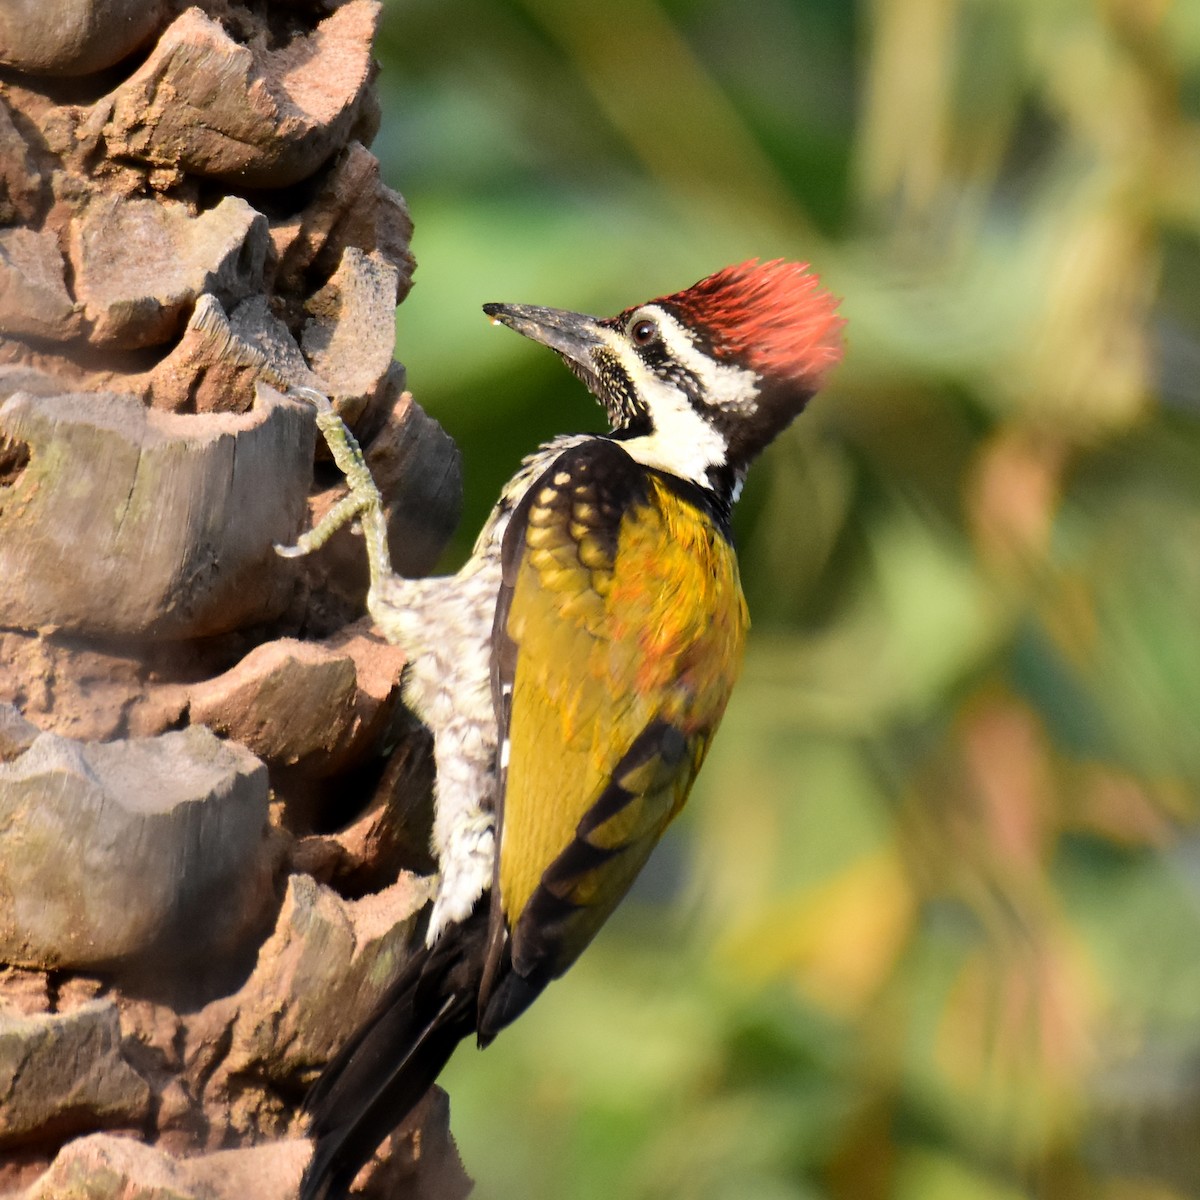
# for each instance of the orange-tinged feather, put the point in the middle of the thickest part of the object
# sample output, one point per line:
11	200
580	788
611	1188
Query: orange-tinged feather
595	668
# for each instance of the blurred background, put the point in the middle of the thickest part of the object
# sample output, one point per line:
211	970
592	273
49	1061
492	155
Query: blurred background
930	926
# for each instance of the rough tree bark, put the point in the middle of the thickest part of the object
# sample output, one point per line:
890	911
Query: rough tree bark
213	807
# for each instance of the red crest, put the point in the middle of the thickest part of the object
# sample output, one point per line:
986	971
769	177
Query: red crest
772	316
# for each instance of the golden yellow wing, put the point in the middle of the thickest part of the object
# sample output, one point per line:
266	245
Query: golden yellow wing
618	639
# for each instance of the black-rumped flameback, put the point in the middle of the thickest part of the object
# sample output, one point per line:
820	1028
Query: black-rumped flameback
574	672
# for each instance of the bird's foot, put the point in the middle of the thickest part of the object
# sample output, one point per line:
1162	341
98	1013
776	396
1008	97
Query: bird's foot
362	503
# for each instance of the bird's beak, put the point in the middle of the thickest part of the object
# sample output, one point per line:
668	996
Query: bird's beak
573	335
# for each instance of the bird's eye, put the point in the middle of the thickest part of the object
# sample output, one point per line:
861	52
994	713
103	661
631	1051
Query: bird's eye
643	332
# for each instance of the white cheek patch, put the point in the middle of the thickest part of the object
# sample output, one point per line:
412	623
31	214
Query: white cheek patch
733	389
683	442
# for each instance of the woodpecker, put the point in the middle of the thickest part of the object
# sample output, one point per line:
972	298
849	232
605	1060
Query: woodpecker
574	671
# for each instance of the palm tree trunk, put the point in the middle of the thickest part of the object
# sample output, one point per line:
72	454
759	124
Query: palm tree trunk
212	803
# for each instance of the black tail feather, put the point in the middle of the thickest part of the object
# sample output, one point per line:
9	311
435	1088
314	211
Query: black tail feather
379	1076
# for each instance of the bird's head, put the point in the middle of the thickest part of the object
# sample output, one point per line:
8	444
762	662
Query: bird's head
697	383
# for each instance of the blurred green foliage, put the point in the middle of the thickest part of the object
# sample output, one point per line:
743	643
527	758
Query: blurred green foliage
930	927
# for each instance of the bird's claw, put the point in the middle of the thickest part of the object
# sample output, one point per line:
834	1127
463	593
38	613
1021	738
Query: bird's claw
362	505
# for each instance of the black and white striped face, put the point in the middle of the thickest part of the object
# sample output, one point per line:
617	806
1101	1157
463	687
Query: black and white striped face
697	383
672	404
